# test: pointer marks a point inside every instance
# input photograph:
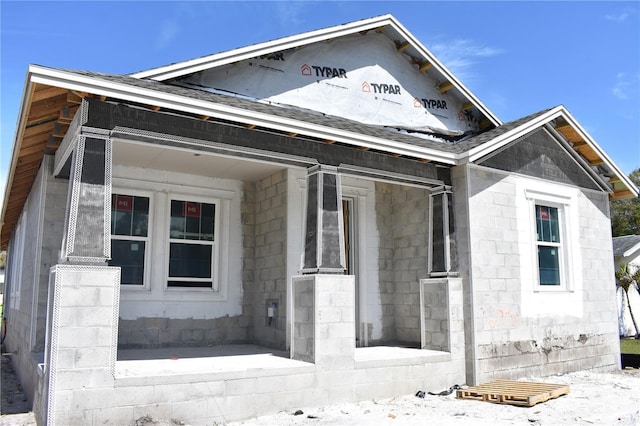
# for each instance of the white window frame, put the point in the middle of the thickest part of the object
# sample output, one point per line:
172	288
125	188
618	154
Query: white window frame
149	241
563	203
215	251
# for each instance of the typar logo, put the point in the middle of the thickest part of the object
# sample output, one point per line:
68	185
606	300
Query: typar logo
430	103
305	70
324	72
386	89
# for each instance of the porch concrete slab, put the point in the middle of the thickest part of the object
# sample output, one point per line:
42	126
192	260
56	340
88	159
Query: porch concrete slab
191	365
388	356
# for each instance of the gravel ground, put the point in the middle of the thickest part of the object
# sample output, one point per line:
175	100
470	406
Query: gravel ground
14	407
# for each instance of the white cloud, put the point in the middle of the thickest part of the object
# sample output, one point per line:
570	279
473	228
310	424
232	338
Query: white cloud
617	18
289	12
167	34
626	86
459	55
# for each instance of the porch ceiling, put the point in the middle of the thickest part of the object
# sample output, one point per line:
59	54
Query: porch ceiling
149	156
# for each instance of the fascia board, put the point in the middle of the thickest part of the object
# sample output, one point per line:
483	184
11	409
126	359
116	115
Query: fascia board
487	148
125	92
20	124
600	152
227	57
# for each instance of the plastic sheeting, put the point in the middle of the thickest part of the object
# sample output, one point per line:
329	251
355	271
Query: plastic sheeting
362	78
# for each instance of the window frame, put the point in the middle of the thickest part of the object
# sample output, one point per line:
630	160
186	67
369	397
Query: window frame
148	240
563	205
215	244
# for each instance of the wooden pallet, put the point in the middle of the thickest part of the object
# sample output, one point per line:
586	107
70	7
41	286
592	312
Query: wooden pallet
525	394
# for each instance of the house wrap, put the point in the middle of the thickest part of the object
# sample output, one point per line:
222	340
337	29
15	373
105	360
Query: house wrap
327	217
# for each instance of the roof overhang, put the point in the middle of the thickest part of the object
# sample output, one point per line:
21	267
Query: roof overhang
567	130
51	97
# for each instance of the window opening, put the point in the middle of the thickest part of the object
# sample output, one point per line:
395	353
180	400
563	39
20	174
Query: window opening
191	244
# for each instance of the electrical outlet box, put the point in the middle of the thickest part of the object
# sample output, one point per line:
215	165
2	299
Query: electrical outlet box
272	313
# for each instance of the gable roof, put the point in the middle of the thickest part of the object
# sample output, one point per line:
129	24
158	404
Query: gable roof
566	130
52	96
412	50
626	245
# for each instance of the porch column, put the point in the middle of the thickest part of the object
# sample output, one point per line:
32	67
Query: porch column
443	260
324	237
88	218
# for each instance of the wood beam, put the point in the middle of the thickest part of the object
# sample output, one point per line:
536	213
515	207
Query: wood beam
45	92
620	194
292	134
67	113
467	105
424	160
250	126
59	130
445	87
579	144
425	66
484	123
402	46
74	97
329	141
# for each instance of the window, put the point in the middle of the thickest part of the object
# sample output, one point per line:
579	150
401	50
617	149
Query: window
548	243
129	236
192	245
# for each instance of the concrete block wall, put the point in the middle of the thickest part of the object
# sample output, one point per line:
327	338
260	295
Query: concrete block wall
45	210
159	332
510	338
411	236
264	219
82	342
435	315
324	320
402	215
384	223
460	194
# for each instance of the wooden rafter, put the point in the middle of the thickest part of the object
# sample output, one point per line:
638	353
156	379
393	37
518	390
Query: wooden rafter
467	105
402	46
425	66
445	86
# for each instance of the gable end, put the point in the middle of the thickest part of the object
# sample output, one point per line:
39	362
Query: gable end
539	155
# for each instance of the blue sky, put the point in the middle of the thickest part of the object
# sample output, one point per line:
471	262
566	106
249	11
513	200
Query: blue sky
516	57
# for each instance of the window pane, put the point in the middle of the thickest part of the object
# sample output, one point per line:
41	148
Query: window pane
549	265
208	217
129	256
192	221
547	226
190	260
129	215
140	216
177	219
